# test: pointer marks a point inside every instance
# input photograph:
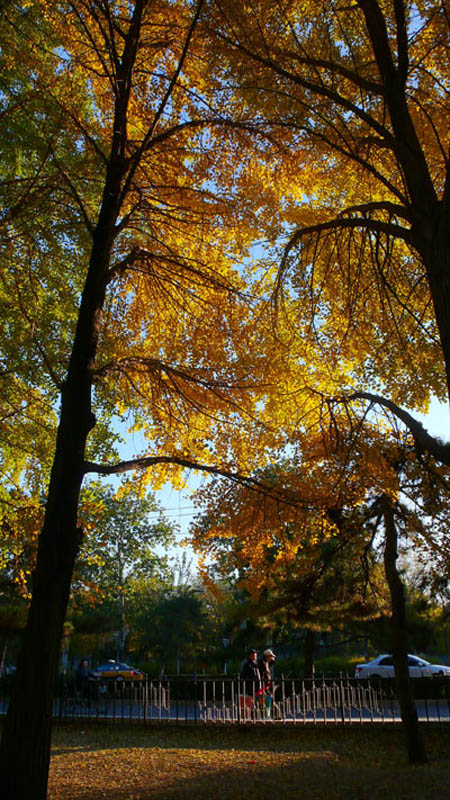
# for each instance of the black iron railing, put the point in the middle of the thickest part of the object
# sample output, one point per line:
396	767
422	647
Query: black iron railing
193	700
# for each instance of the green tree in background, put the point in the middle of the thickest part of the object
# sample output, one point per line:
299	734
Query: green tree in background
119	553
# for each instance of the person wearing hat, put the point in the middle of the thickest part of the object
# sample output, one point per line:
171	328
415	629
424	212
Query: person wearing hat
268	658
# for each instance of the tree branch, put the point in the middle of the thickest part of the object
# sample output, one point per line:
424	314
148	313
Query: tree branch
394	209
155	365
339	69
408	146
423	440
141	254
144	463
377	30
315	88
402	41
149	135
341	223
76	195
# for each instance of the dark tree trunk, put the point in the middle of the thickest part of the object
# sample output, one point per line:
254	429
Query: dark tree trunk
429	206
437	261
27	731
25	747
3	657
414	739
309	653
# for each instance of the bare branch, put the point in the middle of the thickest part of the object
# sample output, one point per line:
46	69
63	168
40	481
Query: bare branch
145	462
424	441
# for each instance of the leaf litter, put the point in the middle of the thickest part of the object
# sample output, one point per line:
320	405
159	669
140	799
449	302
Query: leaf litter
230	763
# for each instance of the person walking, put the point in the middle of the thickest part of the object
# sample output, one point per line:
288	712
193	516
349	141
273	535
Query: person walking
250	671
265	671
82	678
251	681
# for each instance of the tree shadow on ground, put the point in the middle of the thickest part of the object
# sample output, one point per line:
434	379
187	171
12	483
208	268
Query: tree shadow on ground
231	764
316	777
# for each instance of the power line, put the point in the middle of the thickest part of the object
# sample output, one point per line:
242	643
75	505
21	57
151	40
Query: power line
174	508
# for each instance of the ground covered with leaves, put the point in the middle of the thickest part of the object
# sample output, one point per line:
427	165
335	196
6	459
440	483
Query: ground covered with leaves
360	763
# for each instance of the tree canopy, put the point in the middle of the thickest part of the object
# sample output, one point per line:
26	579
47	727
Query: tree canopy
359	94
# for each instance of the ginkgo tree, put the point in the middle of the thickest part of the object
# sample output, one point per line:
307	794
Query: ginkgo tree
360	94
124	212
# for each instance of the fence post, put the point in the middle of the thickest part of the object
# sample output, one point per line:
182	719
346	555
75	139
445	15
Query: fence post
239	700
341	693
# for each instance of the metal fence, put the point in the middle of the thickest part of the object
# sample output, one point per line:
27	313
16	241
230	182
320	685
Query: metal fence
196	700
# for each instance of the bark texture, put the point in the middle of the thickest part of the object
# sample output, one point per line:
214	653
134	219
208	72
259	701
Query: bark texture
414	739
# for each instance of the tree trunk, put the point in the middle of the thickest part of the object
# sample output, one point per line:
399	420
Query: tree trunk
26	737
437	261
121	641
25	747
309	653
430	215
3	657
414	740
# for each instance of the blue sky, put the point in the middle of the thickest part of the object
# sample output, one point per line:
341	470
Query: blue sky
437	421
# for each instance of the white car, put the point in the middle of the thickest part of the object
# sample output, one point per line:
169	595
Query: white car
383	667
